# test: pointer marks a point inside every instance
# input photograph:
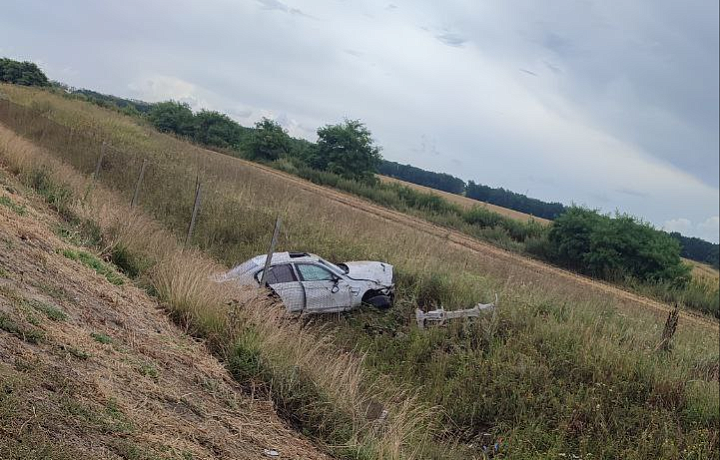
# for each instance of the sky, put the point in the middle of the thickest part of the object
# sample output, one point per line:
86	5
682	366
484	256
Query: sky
605	103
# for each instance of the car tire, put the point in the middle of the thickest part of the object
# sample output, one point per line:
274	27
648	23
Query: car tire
380	301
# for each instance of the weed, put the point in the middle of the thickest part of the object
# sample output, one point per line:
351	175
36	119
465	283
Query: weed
102	338
51	311
149	370
77	353
29	335
19	210
90	261
55	292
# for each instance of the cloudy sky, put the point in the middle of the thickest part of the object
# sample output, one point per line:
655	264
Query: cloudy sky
607	103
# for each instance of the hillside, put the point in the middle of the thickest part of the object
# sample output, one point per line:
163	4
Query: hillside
94	369
467	203
566	366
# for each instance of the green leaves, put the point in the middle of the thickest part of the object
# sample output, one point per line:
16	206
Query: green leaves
269	141
174	117
22	73
346	149
616	247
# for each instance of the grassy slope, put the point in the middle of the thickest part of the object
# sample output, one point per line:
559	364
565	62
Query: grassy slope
561	369
90	368
467	203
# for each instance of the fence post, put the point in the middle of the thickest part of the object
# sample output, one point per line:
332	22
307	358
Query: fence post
194	212
138	183
95	173
98	165
268	259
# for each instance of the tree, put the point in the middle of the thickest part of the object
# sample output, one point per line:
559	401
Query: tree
216	129
22	73
269	142
346	149
614	248
174	117
438	181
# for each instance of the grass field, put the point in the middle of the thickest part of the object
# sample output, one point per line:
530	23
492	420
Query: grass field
467	203
566	366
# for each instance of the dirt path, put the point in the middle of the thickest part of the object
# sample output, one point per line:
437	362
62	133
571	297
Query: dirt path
484	250
91	369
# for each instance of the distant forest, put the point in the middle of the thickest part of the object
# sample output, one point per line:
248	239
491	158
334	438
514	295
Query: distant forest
698	250
452	184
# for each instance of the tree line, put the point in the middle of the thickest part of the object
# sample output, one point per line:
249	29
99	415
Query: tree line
452	184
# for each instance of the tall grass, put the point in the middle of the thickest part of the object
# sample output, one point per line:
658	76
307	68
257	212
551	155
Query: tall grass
561	368
325	394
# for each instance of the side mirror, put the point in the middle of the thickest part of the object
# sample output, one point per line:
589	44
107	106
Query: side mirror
335	287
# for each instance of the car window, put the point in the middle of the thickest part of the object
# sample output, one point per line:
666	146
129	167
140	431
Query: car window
278	274
314	273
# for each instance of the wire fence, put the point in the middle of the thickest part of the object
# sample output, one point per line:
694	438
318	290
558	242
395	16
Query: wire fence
127	170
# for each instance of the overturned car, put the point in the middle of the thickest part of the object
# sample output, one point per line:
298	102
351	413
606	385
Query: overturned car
307	283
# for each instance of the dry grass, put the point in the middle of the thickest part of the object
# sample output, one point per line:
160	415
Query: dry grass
704	272
567	366
112	377
182	279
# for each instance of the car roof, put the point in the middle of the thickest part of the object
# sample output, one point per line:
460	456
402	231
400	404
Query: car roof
279	258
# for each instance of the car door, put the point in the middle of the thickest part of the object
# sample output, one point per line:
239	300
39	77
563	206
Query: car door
325	292
283	281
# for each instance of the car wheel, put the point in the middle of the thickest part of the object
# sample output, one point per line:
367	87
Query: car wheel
380	301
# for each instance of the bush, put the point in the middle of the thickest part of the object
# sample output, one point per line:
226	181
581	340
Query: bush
615	248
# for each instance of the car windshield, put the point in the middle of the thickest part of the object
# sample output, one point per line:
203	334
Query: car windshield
332	266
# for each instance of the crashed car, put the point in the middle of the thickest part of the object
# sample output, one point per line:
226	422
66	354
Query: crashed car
307	283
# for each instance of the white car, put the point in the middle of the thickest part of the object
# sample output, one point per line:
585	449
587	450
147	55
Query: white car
310	284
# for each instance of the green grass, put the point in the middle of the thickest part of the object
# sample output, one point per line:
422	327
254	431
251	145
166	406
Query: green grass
149	370
102	338
29	335
77	353
91	261
19	210
51	311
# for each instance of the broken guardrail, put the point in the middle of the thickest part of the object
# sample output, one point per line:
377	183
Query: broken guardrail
440	316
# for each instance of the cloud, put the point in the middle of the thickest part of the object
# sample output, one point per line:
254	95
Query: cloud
680	225
628	191
451	39
277	5
159	88
708	230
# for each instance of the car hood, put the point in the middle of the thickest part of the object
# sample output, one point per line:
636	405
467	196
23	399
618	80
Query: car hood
378	272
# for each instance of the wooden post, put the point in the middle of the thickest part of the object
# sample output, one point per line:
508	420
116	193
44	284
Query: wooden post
100	159
138	183
268	259
95	173
194	212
